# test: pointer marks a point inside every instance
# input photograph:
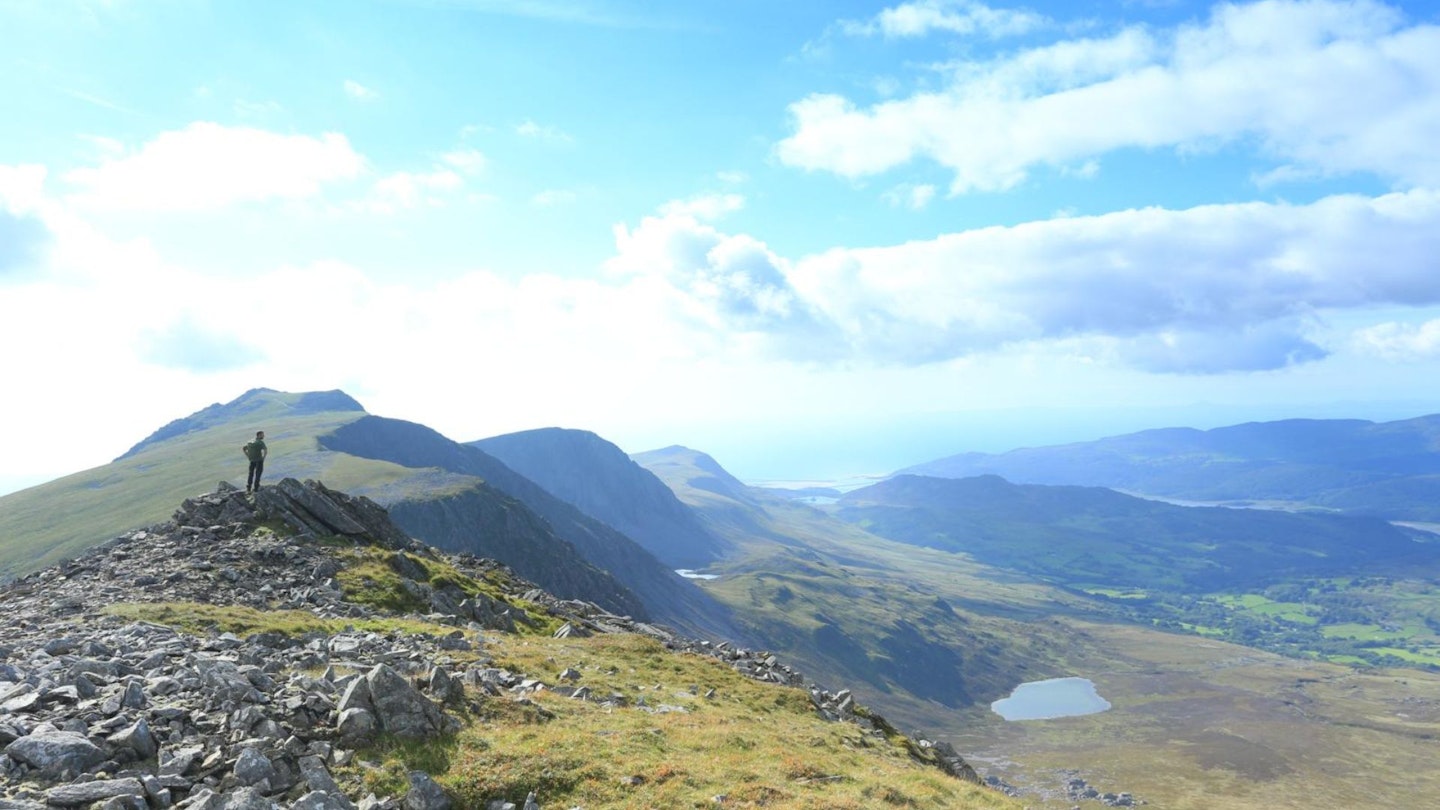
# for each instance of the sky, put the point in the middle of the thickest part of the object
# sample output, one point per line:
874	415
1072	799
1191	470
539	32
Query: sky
814	239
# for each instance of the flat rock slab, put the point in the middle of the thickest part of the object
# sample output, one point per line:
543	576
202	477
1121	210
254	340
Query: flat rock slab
56	752
90	792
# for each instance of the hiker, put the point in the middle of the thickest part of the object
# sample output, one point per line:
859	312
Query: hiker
255	451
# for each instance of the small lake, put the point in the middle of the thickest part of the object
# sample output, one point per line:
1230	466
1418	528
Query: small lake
1046	700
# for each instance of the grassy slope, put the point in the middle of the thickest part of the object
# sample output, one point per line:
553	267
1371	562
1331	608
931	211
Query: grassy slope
144	489
670	742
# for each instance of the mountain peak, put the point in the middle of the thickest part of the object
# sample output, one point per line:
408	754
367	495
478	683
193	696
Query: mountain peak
257	404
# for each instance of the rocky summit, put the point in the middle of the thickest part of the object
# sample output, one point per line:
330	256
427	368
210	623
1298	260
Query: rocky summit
119	689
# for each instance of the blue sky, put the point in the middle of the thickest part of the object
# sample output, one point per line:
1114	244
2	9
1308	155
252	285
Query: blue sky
811	238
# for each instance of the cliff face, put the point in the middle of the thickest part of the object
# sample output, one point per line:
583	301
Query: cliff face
666	596
487	523
252	652
599	479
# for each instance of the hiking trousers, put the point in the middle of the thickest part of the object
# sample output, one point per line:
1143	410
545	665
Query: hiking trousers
252	481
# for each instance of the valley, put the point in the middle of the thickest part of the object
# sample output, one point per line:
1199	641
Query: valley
1250	658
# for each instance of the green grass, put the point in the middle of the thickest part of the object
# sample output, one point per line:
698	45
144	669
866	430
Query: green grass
1429	656
1255	603
755	744
1361	632
61	519
370	578
1117	593
199	618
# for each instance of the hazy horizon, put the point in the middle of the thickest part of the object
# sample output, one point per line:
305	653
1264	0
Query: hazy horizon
926	226
819	453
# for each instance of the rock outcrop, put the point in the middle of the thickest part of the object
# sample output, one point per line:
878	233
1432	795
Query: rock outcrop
103	704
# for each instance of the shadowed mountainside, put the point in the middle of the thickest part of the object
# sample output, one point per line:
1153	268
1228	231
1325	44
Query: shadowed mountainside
595	476
1096	536
668	597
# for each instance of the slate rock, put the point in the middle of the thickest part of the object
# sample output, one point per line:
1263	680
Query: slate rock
254	768
425	793
400	708
356	725
321	800
246	798
55	752
91	792
136	737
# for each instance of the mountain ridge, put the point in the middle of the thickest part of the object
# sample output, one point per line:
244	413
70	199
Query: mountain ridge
599	479
202	642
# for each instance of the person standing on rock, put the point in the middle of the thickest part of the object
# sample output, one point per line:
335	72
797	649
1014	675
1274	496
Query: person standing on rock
256	452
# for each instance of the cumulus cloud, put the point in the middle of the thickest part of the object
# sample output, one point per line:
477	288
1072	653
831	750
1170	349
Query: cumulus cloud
964	17
22	188
1205	290
207	166
1322	86
728	283
1253	347
1400	341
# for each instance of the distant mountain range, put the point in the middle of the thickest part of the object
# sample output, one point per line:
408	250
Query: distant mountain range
1087	536
1388	469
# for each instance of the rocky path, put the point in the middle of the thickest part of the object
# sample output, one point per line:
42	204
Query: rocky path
97	709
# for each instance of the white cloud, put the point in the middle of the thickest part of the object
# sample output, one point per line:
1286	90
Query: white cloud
731	284
918	18
22	188
1206	290
1320	85
707	207
1400	342
358	91
207	166
543	132
1209	289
